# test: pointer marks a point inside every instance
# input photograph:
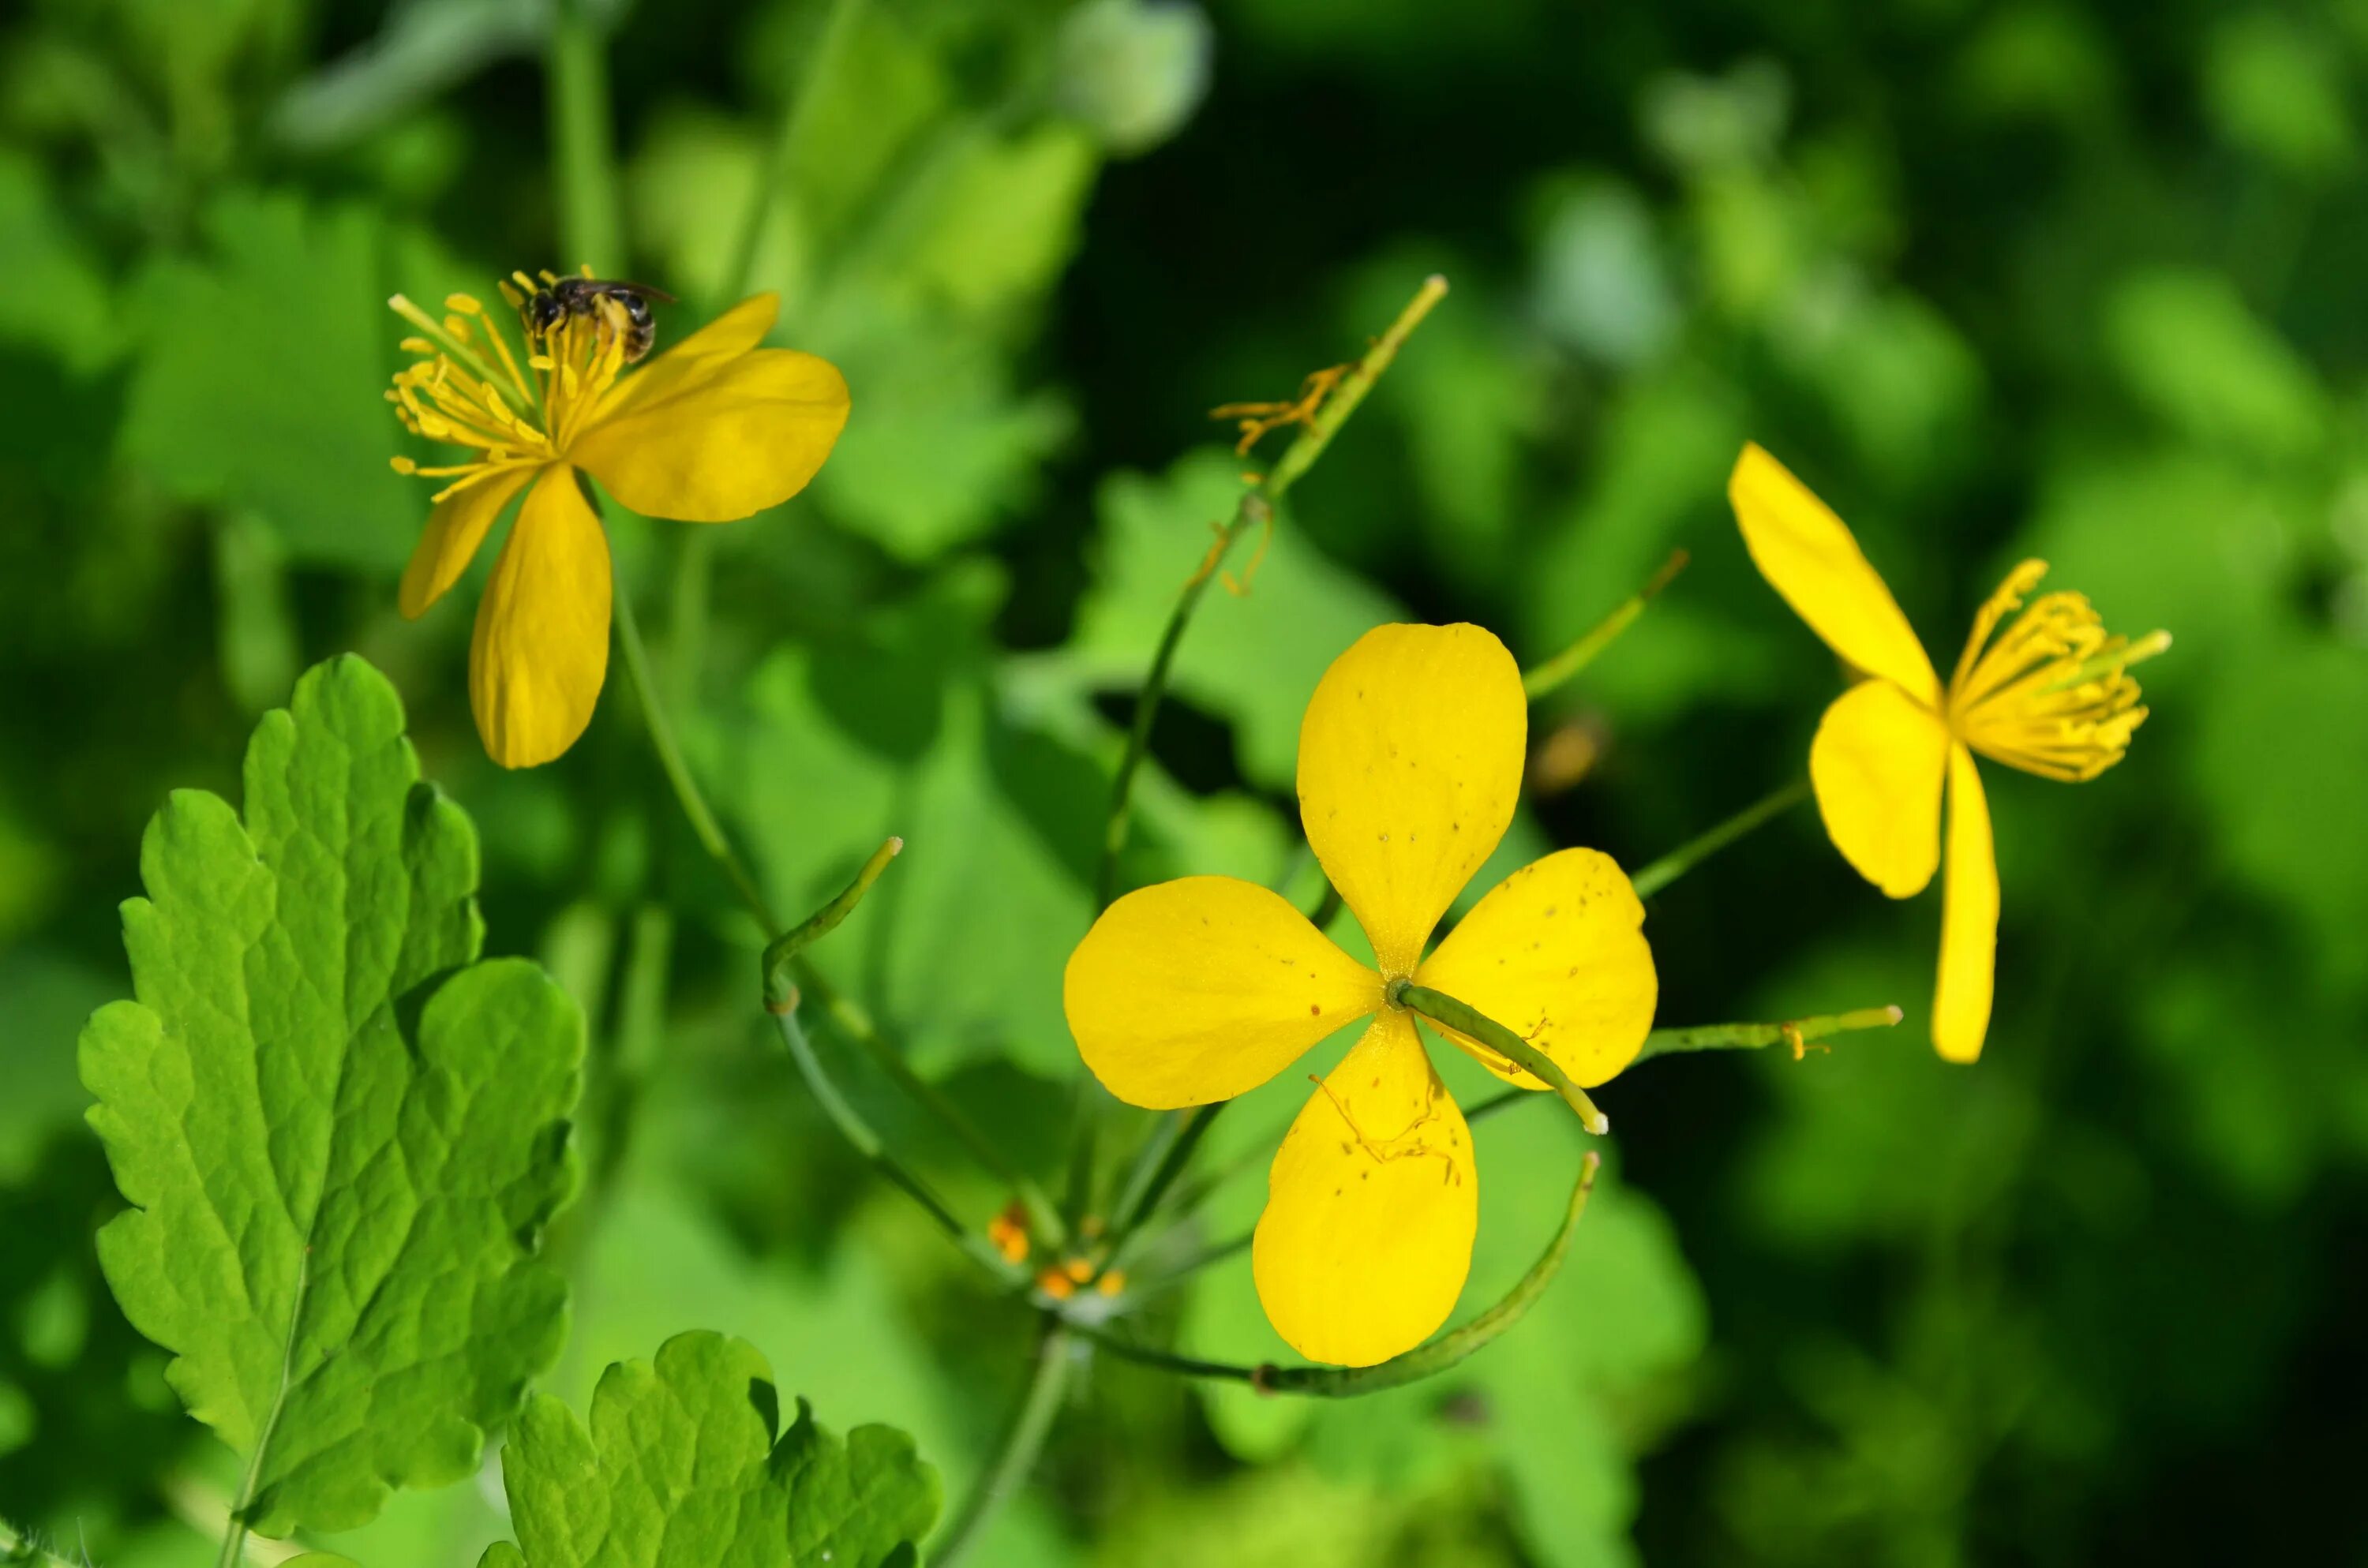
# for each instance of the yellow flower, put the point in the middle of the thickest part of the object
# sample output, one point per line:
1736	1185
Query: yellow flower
713	430
2050	696
1195	990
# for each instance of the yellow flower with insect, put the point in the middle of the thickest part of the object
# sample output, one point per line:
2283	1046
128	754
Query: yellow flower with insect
1196	990
714	429
2052	696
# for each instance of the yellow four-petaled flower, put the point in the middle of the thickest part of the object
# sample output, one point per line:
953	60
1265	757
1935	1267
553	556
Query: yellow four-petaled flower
714	429
2050	696
1194	991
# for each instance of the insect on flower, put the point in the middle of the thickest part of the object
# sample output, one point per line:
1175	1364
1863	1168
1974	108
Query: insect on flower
715	428
1198	990
561	297
2052	694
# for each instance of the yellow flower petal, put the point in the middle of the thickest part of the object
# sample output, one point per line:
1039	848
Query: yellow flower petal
542	645
1409	766
725	438
736	331
1810	557
1969	912
1196	990
1367	1233
1876	764
455	529
1556	953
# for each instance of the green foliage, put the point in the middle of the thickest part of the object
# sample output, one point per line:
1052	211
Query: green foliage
340	1134
679	1468
2075	282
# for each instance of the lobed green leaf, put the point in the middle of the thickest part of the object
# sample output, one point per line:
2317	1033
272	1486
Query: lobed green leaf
340	1145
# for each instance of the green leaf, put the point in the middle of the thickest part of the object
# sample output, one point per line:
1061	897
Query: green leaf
679	1469
900	734
57	297
2192	350
676	1471
339	1153
855	1503
261	366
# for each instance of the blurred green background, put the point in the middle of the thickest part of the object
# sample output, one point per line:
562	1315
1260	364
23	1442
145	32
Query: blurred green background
2030	277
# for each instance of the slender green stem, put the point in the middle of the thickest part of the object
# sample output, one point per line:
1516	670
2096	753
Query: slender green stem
852	1021
1022	1443
1473	1024
1796	1033
577	74
1566	664
1207	1257
784	155
1255	511
857	1132
709	832
850	1018
1660	1043
1694	851
1424	1361
1189	1128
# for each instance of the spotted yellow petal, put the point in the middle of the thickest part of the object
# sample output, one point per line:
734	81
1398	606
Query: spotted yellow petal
455	529
542	645
1556	953
1370	1207
728	436
1409	766
1969	912
1194	991
1876	764
1810	557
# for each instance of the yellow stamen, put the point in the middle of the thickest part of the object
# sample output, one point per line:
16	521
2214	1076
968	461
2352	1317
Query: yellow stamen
2052	694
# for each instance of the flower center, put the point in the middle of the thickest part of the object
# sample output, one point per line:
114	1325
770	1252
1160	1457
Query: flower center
467	388
2052	694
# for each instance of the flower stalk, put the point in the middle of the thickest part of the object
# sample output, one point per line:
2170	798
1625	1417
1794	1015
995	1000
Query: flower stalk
1021	1445
1565	666
1798	1033
1256	512
1652	879
1424	1361
1471	1023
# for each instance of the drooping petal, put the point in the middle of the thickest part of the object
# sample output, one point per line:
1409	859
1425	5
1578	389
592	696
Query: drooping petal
730	436
1410	766
1196	990
455	529
1969	912
1370	1207
1876	765
542	645
1556	953
1808	555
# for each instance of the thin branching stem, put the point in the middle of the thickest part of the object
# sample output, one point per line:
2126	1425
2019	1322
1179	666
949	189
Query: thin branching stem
850	1018
1255	512
858	1132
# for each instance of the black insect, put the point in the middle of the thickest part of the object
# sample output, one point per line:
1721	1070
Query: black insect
549	306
